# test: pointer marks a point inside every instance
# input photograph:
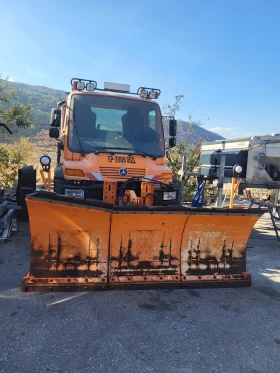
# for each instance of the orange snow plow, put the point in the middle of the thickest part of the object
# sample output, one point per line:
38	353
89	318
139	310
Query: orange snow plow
79	245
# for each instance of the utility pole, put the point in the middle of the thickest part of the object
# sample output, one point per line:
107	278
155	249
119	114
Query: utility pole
221	180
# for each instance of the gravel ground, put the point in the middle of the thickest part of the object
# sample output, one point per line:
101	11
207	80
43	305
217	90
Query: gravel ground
165	331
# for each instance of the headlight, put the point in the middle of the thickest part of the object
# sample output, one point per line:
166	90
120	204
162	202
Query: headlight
169	195
77	193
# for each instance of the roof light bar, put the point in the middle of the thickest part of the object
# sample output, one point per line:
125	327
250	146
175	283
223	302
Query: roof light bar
149	93
79	84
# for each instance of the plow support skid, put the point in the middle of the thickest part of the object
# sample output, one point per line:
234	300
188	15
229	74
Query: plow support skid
82	245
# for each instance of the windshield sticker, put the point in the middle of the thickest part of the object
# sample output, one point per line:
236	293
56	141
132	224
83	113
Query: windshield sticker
121	159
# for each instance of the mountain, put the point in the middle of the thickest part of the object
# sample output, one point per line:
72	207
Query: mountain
43	99
196	134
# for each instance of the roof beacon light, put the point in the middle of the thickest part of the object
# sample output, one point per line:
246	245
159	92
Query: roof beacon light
143	93
80	86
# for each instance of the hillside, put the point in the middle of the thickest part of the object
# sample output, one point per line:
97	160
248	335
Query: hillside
43	99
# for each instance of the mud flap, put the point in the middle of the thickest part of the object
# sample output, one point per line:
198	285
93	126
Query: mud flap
83	245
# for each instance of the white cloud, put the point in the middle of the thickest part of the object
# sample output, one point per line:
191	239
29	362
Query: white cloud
222	129
11	79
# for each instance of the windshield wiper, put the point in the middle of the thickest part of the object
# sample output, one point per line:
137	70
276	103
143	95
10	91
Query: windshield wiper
143	153
132	149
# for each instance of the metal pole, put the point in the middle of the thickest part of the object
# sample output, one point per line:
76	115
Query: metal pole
49	180
221	179
184	161
225	196
275	202
276	197
232	192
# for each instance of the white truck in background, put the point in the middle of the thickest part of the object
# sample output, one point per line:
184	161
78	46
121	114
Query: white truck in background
259	157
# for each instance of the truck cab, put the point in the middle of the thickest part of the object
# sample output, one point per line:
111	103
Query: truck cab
110	140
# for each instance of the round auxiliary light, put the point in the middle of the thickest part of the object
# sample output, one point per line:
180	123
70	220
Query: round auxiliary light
45	161
237	169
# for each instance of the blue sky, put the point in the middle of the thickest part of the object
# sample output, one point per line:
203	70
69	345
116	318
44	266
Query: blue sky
223	55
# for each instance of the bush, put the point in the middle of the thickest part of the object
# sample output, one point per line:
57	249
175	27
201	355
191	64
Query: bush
12	157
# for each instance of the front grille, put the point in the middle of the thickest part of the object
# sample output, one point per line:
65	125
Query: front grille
113	172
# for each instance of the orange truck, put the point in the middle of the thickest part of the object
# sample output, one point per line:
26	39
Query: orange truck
108	136
115	219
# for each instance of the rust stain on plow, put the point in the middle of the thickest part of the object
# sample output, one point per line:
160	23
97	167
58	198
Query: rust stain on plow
70	253
221	250
149	256
149	245
73	243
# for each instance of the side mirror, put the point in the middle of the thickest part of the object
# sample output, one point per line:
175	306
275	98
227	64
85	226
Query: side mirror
172	127
54	133
55	118
172	142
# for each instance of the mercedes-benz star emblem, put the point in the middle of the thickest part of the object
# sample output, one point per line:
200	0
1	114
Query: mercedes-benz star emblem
123	172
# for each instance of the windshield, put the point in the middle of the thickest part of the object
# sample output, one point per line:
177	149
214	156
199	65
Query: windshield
115	125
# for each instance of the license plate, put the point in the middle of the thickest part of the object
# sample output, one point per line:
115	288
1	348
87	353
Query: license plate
121	159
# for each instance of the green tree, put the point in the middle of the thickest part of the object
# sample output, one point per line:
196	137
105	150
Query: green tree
14	154
12	157
186	147
14	114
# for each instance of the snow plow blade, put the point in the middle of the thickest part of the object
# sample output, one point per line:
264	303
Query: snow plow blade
81	245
